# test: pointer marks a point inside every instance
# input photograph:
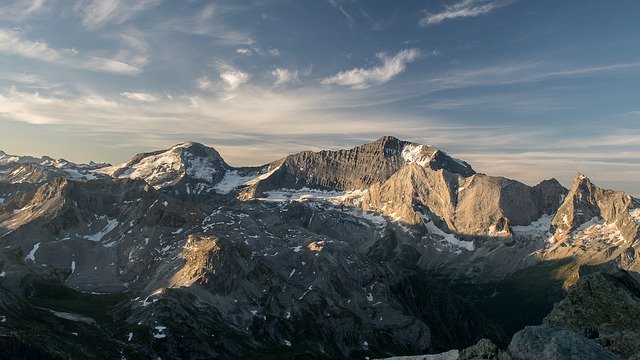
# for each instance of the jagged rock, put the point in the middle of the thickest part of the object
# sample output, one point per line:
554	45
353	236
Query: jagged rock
607	302
594	226
449	355
475	206
484	349
555	343
353	169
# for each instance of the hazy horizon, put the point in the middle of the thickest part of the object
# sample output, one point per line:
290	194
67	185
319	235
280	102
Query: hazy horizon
526	90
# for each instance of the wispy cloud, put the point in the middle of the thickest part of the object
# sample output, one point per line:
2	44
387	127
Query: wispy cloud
362	78
96	13
204	83
230	79
21	9
283	76
140	96
15	43
350	21
519	72
462	9
283	112
34	108
233	77
243	51
210	20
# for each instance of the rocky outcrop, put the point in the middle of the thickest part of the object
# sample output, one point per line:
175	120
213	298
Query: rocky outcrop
532	343
603	305
586	202
594	226
484	349
555	343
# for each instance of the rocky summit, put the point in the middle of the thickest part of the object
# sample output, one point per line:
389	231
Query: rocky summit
388	249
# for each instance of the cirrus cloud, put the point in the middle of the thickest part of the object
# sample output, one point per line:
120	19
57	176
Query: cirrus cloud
15	43
283	76
361	78
140	96
462	9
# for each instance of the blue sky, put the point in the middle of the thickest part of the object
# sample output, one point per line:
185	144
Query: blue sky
520	88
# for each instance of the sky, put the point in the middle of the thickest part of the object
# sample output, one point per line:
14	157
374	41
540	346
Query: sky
520	88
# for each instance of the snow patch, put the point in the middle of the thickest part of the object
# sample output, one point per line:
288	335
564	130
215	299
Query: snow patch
538	226
450	238
75	174
635	214
111	224
414	154
160	334
232	179
201	168
32	254
160	170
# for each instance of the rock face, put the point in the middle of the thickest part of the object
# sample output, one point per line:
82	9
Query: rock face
595	225
475	206
603	305
353	169
555	343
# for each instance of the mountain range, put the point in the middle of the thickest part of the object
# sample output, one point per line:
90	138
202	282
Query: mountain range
389	248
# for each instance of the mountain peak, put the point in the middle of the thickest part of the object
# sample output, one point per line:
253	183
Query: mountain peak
188	160
581	178
188	144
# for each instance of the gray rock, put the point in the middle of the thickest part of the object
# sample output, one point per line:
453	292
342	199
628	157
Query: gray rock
554	343
484	349
608	302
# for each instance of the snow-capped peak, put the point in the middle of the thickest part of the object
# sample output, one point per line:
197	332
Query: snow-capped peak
168	167
417	154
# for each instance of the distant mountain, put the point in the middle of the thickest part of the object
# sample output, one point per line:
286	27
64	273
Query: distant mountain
352	169
187	169
388	248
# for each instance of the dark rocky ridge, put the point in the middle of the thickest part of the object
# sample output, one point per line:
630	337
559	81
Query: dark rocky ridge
356	168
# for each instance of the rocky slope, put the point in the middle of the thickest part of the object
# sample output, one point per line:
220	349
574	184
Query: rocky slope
603	305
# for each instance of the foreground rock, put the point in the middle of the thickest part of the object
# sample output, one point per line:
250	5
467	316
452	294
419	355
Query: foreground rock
532	343
555	343
604	306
